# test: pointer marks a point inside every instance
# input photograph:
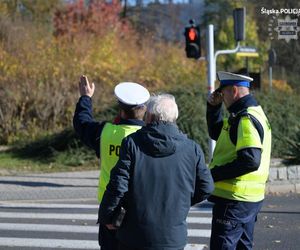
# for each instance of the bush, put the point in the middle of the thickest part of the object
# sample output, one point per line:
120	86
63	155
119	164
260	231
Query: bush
293	150
66	147
283	111
63	148
39	75
191	102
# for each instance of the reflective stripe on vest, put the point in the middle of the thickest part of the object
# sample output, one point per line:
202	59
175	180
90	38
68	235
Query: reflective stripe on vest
249	187
110	143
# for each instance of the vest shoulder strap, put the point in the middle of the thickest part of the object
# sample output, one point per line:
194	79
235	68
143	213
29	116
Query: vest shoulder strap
234	120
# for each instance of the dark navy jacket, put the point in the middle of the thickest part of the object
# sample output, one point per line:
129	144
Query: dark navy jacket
89	130
248	159
159	175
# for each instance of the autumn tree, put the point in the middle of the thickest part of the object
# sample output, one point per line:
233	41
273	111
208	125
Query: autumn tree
35	10
97	17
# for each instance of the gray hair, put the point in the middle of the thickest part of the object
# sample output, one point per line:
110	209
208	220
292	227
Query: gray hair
163	108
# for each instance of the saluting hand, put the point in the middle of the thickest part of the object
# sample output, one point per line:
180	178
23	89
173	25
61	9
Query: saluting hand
85	88
215	98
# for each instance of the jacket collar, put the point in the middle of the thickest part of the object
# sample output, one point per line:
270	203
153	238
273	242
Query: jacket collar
243	103
134	122
167	128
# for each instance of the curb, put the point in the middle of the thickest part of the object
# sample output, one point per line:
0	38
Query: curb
282	178
83	184
280	188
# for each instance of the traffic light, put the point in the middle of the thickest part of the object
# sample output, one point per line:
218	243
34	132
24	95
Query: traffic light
192	41
239	16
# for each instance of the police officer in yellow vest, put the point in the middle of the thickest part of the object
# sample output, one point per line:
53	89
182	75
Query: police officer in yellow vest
240	163
106	137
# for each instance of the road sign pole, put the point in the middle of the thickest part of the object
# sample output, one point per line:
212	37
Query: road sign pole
270	77
272	61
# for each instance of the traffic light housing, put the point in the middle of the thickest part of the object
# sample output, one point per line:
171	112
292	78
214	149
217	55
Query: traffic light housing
239	18
192	41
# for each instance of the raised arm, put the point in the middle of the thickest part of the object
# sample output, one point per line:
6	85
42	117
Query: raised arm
86	127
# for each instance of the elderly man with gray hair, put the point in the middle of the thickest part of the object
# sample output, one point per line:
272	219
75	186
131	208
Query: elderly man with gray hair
159	176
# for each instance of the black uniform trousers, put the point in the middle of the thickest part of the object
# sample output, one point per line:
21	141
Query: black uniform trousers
233	224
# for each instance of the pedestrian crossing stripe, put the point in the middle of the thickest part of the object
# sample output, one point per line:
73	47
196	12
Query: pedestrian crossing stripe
54	216
45	205
49	243
80	206
193	218
88	217
76	228
67	244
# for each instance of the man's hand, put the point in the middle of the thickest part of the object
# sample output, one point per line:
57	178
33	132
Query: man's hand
215	98
110	227
85	88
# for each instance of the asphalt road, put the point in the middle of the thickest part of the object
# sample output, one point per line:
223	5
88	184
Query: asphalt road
278	225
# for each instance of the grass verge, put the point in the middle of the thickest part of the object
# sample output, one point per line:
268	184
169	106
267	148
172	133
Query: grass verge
56	153
10	164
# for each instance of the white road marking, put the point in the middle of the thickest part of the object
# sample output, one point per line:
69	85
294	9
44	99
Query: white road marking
200	220
205	233
65	216
66	244
193	217
44	205
48	228
49	243
55	216
76	229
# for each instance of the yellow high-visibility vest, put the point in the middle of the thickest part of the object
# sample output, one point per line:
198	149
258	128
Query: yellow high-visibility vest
110	143
249	187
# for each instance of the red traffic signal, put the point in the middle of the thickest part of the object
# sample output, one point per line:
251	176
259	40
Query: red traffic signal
192	42
192	34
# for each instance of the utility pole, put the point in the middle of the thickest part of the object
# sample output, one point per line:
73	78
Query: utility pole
272	61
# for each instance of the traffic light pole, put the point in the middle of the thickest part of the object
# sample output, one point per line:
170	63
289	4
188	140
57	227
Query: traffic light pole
211	74
211	70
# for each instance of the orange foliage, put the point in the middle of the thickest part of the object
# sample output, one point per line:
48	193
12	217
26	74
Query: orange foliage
282	85
39	73
97	18
277	84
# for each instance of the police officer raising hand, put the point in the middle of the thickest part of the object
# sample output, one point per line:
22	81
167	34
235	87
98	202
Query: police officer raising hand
85	88
105	137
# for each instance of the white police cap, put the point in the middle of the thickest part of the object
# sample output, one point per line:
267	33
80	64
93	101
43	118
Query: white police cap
222	75
227	78
131	93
